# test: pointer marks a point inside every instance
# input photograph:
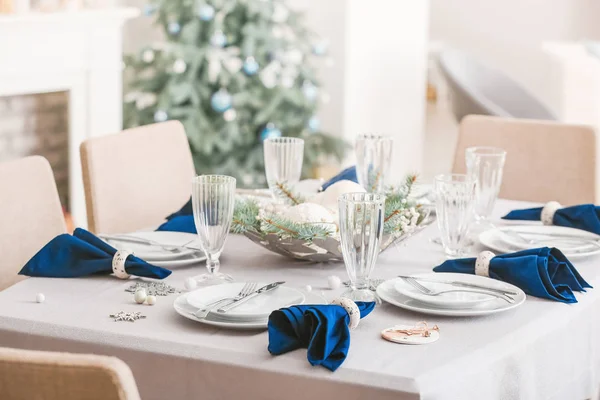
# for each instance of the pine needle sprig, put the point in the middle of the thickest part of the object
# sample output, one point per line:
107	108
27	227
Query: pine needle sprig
245	216
275	224
285	192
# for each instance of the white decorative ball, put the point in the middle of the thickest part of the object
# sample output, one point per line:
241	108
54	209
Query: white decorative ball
190	283
151	300
140	296
280	13
311	213
329	198
179	66
308	288
148	55
230	115
40	298
334	282
294	56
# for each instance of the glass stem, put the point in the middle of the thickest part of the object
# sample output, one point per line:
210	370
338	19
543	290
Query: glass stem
212	264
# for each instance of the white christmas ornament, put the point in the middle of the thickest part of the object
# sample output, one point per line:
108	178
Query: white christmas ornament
329	198
40	298
230	115
280	13
151	300
140	296
148	55
294	56
179	66
308	288
145	100
334	282
218	39
311	213
190	283
310	90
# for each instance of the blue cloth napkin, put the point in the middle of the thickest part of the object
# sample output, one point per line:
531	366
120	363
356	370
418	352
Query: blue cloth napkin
543	272
349	174
185	210
83	254
322	329
181	223
585	216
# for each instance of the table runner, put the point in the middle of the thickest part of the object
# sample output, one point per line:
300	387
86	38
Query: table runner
542	350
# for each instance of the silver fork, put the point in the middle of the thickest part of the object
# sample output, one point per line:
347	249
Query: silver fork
429	292
246	290
134	239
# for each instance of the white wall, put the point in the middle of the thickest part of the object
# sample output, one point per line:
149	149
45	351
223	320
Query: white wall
507	34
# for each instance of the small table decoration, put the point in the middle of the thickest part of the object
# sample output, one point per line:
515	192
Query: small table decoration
308	229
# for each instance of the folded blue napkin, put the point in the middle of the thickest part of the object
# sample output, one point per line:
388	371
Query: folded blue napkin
585	216
322	329
83	254
184	211
543	272
349	174
181	223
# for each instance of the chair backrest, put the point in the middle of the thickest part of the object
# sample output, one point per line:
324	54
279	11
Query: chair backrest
545	160
26	374
478	89
135	178
30	213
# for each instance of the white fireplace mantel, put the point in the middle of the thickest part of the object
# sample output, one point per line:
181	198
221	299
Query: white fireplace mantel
75	51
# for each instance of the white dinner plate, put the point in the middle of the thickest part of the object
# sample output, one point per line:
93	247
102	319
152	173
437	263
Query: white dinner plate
156	253
182	307
257	308
446	300
500	242
388	293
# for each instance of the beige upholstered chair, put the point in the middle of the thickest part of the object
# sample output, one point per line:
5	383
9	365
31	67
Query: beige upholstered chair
26	375
545	160
135	178
30	213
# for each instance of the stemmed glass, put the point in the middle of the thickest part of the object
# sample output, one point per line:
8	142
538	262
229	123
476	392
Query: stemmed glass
485	165
455	195
213	201
373	161
361	230
283	163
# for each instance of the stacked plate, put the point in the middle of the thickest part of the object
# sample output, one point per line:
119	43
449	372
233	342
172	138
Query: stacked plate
457	295
574	243
251	314
163	249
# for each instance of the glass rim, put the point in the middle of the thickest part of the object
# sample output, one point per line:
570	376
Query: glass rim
489	151
451	178
284	140
216	179
365	136
375	198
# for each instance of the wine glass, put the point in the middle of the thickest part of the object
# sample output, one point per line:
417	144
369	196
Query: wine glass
213	202
361	230
455	196
283	163
373	161
485	165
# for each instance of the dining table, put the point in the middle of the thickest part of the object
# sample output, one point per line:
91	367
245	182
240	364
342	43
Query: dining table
540	350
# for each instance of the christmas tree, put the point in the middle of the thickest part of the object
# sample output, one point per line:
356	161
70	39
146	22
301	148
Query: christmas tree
234	72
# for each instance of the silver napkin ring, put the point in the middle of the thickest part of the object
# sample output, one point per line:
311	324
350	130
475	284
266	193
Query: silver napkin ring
351	308
118	264
547	215
482	263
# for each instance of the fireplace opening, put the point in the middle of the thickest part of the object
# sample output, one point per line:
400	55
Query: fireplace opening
38	124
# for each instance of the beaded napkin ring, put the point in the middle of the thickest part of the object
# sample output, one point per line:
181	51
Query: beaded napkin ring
547	215
351	308
482	263
118	264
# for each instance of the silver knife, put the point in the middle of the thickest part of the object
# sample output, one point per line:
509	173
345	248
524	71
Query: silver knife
124	238
460	284
264	289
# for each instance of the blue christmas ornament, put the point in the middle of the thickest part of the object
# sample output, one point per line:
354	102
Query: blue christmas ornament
174	28
221	101
149	9
250	66
206	12
314	124
320	48
269	132
218	39
160	116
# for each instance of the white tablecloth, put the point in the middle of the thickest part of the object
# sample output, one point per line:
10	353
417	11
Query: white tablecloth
541	350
